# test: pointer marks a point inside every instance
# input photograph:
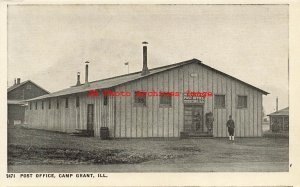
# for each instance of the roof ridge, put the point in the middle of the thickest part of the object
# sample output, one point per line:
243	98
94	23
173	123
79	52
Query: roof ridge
24	82
178	63
16	86
110	82
279	111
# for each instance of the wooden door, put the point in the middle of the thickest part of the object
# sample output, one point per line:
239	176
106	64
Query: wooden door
193	118
90	119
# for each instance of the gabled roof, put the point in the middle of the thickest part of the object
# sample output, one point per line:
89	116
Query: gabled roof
16	86
282	112
114	81
22	83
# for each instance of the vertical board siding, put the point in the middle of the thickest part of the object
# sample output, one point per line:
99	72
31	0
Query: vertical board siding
171	109
242	112
150	108
125	119
175	105
165	109
65	119
255	106
160	82
246	114
145	110
180	100
227	106
204	88
139	116
155	107
134	111
259	115
118	117
128	111
215	111
238	125
250	105
229	102
209	87
122	114
111	126
219	111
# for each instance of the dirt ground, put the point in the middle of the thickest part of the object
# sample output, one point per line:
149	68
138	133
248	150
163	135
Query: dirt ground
32	150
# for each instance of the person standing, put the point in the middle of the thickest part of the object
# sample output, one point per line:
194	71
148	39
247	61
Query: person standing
230	126
209	119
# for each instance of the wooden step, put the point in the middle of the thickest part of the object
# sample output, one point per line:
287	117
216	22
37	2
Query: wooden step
195	135
199	135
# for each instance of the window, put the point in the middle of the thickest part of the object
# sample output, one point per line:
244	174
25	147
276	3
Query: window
286	123
242	102
42	105
165	100
28	87
30	105
67	102
219	101
36	105
77	101
57	103
49	103
105	100
140	98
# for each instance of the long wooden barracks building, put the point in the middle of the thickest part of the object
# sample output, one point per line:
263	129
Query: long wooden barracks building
153	116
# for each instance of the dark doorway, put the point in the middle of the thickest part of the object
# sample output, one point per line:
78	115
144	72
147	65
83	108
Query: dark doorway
193	119
90	119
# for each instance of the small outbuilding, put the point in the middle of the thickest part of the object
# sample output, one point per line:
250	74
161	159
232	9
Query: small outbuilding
279	120
16	96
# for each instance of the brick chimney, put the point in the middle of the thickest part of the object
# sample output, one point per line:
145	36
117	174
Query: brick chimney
18	81
145	70
78	79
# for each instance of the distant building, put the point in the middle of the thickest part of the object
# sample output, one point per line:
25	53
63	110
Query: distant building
16	96
279	120
85	107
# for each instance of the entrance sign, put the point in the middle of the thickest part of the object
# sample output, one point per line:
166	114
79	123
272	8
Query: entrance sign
191	99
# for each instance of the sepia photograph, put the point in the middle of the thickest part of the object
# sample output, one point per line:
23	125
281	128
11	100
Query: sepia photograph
147	88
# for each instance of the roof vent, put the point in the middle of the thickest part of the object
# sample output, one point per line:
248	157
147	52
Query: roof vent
78	79
87	72
145	70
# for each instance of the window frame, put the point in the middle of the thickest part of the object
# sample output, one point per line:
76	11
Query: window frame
42	105
36	105
139	104
105	100
49	106
77	101
217	106
67	102
165	105
237	102
57	103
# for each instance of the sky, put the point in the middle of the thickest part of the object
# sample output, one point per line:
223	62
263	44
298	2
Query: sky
49	44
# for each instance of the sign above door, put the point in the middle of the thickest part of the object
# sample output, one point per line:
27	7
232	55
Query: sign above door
193	99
